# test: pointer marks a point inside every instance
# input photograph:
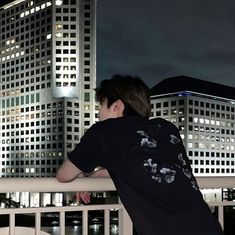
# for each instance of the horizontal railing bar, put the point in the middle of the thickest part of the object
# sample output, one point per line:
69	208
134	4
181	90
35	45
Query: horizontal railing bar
216	182
52	185
32	210
221	203
90	184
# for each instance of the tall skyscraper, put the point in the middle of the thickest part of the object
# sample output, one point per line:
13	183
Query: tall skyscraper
47	78
204	113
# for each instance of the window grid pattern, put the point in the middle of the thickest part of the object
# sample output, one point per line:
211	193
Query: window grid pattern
207	129
37	129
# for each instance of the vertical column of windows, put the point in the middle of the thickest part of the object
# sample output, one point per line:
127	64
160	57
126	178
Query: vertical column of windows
212	139
66	44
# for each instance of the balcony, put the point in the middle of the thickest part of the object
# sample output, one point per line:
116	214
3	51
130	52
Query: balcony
86	184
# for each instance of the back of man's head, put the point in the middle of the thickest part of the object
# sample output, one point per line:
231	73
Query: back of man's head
131	90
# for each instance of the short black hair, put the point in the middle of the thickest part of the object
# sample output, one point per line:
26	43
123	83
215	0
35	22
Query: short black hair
131	90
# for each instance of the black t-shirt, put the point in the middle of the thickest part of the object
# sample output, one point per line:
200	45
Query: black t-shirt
149	167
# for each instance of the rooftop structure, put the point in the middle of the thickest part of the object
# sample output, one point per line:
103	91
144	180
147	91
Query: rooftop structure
204	113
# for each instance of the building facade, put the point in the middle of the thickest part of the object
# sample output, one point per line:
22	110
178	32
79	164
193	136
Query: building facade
47	79
204	113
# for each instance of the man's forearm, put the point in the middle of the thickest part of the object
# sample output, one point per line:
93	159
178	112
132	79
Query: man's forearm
100	172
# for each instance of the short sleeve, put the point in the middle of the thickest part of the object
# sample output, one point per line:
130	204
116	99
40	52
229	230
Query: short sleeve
87	155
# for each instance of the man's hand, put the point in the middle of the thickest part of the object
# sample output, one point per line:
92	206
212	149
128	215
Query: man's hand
83	197
86	196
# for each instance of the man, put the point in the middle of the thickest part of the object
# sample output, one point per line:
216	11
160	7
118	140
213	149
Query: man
146	161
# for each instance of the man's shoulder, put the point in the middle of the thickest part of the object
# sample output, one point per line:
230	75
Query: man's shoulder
161	121
119	121
164	125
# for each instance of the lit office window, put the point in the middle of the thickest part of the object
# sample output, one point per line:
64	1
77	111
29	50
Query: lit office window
201	120
190	145
58	2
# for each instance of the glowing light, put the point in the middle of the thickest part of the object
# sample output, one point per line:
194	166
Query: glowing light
58	2
58	35
58	26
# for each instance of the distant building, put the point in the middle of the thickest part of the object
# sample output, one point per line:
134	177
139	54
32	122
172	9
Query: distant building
204	113
47	78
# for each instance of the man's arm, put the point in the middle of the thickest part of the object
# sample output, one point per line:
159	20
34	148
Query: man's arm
100	172
68	172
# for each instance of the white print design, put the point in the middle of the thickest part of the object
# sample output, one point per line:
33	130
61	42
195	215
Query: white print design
159	170
174	139
147	141
187	173
157	178
160	174
194	184
142	133
180	157
152	166
169	174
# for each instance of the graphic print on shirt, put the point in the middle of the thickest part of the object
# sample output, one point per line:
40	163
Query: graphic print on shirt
147	141
161	172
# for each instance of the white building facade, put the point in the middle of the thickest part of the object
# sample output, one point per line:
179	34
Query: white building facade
47	79
205	120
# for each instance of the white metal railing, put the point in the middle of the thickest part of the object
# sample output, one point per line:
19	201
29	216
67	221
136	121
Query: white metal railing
90	184
52	185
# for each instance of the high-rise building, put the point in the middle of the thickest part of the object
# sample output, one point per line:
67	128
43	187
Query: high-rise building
47	78
204	113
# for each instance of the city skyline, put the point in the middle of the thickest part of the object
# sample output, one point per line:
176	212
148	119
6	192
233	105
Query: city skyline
47	75
165	39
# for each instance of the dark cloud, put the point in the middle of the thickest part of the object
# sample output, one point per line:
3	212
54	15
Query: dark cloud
158	39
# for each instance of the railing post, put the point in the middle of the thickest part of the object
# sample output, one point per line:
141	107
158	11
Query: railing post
38	223
106	222
12	224
85	222
221	215
125	223
62	223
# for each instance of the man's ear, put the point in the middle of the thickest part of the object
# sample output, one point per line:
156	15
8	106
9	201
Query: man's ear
119	107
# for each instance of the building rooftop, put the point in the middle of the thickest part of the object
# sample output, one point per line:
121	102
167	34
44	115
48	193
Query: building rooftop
185	83
8	3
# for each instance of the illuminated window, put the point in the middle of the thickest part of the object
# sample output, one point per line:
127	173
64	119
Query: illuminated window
58	2
190	145
58	35
58	26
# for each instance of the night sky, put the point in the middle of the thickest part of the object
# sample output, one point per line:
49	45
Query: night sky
158	39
